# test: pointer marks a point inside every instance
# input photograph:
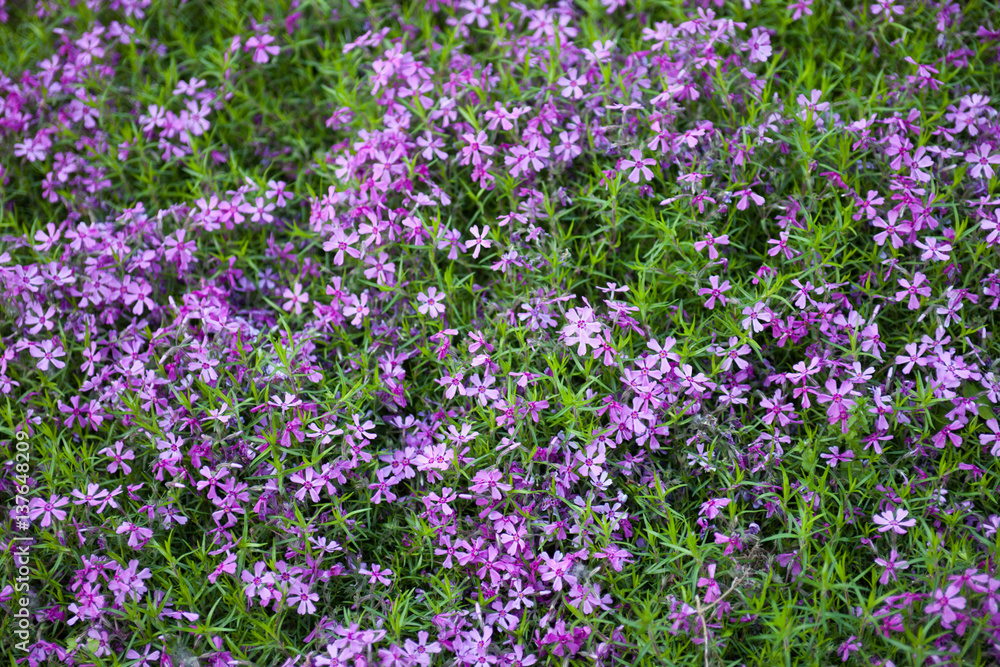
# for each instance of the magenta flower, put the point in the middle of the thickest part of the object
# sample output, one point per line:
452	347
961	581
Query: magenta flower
776	408
48	353
118	457
711	243
892	566
757	316
913	290
947	603
714	292
745	196
834	456
302	598
296	298
479	240
992	439
257	582
263	48
137	535
377	574
572	84
47	509
639	166
894	520
431	303
982	161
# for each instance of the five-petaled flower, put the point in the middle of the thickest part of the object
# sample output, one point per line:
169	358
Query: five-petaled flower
639	166
894	520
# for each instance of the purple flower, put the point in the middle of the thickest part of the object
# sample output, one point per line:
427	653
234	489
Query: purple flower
894	520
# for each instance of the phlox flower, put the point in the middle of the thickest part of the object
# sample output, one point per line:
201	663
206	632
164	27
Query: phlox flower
420	651
946	602
478	11
713	506
257	582
475	148
934	250
714	292
992	439
572	84
776	408
581	329
639	166
118	458
887	9
479	240
296	298
744	196
431	303
847	647
894	520
308	483
137	535
263	48
757	316
227	566
711	242
982	161
891	567
800	8
834	456
915	289
48	353
47	509
376	574
811	103
759	45
599	51
302	598
781	246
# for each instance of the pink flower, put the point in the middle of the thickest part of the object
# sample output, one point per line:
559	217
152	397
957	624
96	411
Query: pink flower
572	84
913	290
713	506
759	45
946	602
757	316
581	329
714	292
744	196
894	520
420	653
302	598
711	242
835	456
257	582
776	409
479	240
891	566
991	438
982	161
638	165
47	509
137	535
118	458
47	353
296	297
262	48
376	574
431	303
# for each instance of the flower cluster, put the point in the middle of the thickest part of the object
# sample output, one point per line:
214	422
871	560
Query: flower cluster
482	334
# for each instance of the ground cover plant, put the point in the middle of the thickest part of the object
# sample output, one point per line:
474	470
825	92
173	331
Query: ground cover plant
499	333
